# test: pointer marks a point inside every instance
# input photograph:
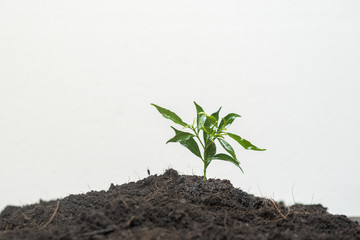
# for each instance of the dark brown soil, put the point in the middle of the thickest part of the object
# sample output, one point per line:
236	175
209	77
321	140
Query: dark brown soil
172	206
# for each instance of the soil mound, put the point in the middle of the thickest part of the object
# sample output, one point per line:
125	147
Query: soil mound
172	206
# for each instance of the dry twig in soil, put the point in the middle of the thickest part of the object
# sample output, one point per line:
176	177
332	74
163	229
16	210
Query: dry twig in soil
53	215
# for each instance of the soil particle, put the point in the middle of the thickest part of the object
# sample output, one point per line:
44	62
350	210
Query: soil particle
172	206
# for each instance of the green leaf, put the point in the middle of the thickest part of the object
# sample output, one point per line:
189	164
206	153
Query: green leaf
209	151
192	146
199	118
189	143
207	163
227	147
170	115
210	119
225	157
245	143
216	114
206	128
228	120
180	135
222	125
205	135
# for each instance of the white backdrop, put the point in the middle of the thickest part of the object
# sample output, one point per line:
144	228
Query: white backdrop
77	79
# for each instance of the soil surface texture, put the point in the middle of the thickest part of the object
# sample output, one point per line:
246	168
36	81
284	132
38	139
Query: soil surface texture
172	206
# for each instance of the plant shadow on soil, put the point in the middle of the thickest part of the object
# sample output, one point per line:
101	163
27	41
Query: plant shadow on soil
172	206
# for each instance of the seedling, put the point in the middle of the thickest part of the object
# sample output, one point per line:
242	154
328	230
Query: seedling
211	129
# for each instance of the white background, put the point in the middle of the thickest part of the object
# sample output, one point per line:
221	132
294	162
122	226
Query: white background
77	79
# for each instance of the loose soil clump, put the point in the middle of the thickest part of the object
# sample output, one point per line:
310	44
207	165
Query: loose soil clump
172	206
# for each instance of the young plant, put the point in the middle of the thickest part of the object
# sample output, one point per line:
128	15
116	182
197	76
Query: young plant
211	130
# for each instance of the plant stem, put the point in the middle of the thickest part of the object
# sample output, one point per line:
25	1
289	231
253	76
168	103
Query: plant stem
197	136
204	179
203	159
